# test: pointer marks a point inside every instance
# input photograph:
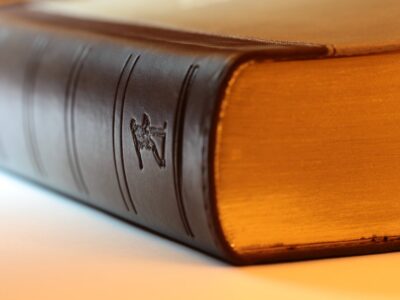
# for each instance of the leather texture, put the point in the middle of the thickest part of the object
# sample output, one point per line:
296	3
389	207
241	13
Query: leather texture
123	117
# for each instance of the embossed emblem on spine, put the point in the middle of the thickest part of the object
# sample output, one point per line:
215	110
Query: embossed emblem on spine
149	138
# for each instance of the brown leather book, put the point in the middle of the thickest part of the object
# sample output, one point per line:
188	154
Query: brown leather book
255	132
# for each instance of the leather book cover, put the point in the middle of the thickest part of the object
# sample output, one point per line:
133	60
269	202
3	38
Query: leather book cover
122	115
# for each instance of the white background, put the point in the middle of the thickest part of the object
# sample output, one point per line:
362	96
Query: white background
54	248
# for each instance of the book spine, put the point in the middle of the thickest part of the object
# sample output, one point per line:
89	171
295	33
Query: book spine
118	124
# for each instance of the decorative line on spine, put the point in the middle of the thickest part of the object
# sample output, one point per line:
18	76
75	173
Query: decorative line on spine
124	68
69	118
2	151
119	104
29	84
178	145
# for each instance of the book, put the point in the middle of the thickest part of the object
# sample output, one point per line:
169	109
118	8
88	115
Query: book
254	139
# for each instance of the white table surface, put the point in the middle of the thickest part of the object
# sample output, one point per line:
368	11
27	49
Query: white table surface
54	248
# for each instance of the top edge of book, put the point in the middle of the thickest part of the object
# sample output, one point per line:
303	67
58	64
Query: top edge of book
349	26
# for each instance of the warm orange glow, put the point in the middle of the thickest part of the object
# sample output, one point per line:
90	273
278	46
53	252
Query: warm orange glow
309	152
